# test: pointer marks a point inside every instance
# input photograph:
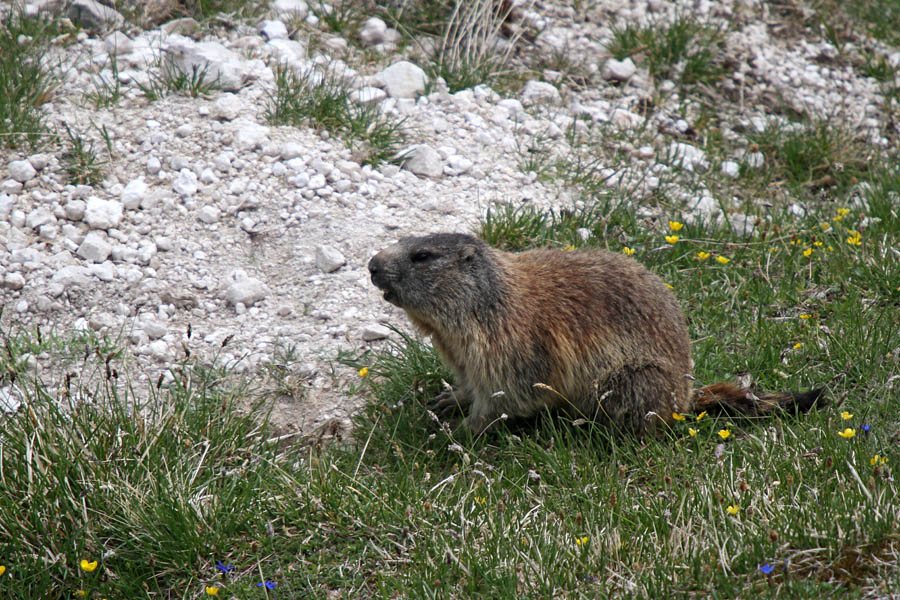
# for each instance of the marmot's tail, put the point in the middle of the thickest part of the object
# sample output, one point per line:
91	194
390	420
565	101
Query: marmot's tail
733	399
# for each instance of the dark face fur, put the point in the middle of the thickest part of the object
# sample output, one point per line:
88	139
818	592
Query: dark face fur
427	274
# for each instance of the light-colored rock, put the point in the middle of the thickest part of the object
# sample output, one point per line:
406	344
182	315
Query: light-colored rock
222	66
93	15
369	95
687	156
134	193
75	209
246	291
118	44
14	281
404	80
730	168
329	259
296	9
185	184
94	247
373	332
227	107
422	159
72	276
250	136
153	166
102	214
21	170
619	70
209	214
39	216
540	92
373	31
273	30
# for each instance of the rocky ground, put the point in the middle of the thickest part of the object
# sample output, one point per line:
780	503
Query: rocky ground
212	225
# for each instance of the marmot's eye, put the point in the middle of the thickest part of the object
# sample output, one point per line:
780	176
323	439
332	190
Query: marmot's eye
421	256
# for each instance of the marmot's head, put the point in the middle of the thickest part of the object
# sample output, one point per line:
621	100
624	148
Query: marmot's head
437	276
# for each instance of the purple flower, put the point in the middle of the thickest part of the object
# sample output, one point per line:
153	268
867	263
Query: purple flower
224	568
270	585
766	569
865	428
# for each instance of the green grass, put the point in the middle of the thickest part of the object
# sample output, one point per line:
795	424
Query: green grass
323	101
25	83
684	51
107	91
80	160
160	487
168	78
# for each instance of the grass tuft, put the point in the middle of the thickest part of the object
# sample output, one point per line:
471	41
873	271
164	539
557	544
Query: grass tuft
168	78
26	82
323	100
81	161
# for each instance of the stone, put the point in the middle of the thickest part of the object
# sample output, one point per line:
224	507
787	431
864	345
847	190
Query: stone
222	66
227	107
457	165
153	166
185	184
118	44
371	333
540	92
373	31
688	156
134	193
246	291
730	169
422	159
404	80
209	214
329	259
6	204
369	95
619	70
296	9
21	170
75	209
102	214
94	247
93	15
250	136
273	30
14	281
72	276
39	216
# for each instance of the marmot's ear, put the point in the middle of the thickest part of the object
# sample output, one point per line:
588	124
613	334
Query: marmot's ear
467	252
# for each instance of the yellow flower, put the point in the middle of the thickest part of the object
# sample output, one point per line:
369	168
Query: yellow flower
672	239
2	570
364	371
670	286
480	499
88	566
212	590
878	460
692	432
569	248
723	260
805	316
825	226
724	433
80	594
701	415
702	255
773	249
524	542
843	211
807	252
846	416
733	509
675	225
677	417
627	251
795	242
837	218
817	243
854	239
798	345
581	541
847	433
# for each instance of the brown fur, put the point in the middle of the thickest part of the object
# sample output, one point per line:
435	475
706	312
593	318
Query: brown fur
589	332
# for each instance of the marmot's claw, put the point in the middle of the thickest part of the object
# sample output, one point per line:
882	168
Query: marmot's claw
449	405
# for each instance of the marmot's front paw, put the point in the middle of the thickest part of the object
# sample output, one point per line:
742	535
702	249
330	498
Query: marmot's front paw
449	405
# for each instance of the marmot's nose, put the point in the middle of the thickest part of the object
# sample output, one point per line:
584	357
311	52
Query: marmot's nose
375	265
